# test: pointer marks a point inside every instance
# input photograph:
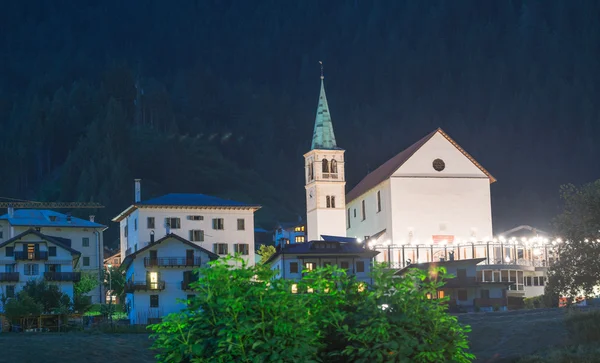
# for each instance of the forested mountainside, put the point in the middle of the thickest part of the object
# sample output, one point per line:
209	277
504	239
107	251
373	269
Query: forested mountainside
219	97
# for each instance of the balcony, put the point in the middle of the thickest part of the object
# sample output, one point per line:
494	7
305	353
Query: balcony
133	286
9	277
185	285
31	256
464	281
172	262
62	276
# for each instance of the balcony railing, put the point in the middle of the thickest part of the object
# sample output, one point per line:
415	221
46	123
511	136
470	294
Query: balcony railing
24	255
9	276
172	262
62	276
185	285
132	286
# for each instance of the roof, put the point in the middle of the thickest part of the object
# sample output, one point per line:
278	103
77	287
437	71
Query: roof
387	169
339	239
50	239
178	200
44	218
127	261
323	136
310	248
427	265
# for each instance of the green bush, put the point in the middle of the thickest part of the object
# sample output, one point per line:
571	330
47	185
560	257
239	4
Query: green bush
246	315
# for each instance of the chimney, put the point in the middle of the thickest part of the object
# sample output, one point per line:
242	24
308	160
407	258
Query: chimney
138	191
92	217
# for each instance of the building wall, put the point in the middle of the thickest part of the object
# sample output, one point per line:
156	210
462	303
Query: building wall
140	236
139	302
62	258
282	265
374	221
320	219
76	235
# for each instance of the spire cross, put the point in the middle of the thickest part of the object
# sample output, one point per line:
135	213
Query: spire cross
321	63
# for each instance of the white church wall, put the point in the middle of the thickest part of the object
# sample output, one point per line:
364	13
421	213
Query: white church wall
375	220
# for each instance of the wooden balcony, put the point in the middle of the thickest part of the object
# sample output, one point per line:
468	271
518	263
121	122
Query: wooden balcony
172	262
31	256
9	277
62	276
133	286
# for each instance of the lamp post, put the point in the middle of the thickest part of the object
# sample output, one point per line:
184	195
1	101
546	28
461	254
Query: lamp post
110	293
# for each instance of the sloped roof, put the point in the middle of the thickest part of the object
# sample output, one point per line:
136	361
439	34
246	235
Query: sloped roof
387	169
52	240
127	261
311	248
43	218
323	136
186	200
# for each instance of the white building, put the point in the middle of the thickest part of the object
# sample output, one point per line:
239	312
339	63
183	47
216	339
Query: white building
326	242
84	236
222	226
289	233
431	194
159	276
32	255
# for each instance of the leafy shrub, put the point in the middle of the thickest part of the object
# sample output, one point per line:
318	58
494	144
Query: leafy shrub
246	315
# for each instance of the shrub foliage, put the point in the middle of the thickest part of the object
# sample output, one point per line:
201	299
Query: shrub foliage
247	315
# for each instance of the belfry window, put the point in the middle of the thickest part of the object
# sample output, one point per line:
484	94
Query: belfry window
325	166
328	202
334	166
332	202
310	171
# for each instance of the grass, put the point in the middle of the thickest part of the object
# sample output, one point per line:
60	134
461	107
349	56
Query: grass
535	336
75	347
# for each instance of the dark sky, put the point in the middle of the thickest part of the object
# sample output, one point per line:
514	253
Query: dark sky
515	83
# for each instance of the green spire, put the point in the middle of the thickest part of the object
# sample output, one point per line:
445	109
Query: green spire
323	137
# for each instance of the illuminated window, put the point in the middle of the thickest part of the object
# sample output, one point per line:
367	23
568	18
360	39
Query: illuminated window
429	295
153	280
310	290
299	229
440	294
294	288
361	287
309	266
299	239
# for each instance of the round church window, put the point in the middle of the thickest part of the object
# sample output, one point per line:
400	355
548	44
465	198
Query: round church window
439	165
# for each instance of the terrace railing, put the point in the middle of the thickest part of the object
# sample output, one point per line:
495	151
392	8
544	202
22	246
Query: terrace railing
9	276
25	255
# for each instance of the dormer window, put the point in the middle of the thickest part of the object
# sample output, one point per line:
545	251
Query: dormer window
334	169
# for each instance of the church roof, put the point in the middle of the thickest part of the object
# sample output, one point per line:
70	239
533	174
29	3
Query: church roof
387	169
323	136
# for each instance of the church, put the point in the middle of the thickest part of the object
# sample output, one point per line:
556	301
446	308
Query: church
428	204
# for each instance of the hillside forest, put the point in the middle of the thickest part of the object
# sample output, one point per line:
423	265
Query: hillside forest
219	97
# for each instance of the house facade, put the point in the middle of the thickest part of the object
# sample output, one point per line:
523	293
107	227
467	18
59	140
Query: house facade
158	277
84	236
289	233
221	226
467	290
291	261
32	255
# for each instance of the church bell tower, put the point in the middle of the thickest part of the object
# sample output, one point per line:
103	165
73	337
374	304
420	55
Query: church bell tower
324	175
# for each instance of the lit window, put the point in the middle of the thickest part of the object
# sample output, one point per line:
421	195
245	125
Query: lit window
310	290
309	266
441	294
299	239
294	288
361	287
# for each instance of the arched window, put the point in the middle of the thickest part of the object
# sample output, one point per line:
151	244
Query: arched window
332	202
333	166
328	202
325	166
310	172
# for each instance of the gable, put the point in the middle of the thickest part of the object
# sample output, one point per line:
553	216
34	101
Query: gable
456	162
